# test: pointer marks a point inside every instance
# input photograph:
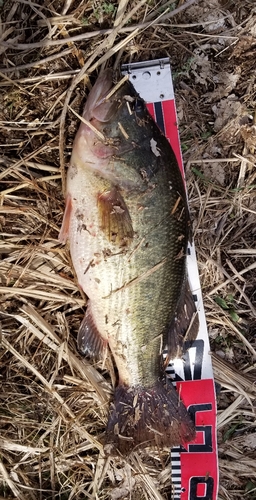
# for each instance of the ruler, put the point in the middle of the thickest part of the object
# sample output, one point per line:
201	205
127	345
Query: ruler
194	466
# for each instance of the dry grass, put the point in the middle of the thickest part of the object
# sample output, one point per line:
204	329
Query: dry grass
54	404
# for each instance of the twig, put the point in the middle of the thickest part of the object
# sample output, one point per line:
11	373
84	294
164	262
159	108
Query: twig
35	64
116	87
231	280
94	129
43	78
160	7
65	411
7	479
51	43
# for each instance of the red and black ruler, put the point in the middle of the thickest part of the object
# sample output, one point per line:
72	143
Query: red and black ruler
195	466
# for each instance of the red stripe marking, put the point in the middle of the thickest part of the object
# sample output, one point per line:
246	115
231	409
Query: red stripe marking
196	464
171	127
151	109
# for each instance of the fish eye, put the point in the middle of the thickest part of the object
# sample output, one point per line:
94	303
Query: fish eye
138	105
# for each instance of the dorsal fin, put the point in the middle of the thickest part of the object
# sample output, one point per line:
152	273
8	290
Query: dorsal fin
184	326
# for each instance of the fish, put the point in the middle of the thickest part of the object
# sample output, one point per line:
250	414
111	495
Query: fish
128	225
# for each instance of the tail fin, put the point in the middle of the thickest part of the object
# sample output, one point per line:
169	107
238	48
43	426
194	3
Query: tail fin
142	416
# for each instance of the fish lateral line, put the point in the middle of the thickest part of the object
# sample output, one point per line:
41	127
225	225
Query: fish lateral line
151	341
138	246
138	279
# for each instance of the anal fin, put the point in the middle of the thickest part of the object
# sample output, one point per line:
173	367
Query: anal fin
115	219
89	341
184	326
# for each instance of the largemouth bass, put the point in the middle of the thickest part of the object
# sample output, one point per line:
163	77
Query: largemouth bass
127	221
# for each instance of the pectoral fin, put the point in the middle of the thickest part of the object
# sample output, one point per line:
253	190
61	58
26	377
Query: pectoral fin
184	326
64	232
115	219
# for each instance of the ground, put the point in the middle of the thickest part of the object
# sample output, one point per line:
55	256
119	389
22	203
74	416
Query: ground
54	404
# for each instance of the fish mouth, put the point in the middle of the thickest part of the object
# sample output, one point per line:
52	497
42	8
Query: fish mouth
97	107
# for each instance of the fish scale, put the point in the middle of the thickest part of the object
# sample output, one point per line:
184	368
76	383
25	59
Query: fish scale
127	221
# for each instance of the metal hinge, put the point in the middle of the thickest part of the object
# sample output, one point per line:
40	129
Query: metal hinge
151	79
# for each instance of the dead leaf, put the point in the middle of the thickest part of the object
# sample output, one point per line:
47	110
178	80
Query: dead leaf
248	133
227	110
215	172
249	441
201	66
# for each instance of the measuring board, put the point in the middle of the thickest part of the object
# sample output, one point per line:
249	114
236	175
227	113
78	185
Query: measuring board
195	465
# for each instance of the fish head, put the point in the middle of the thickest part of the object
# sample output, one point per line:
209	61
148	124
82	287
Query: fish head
119	139
112	112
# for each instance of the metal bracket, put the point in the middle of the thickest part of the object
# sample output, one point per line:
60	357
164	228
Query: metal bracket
151	79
